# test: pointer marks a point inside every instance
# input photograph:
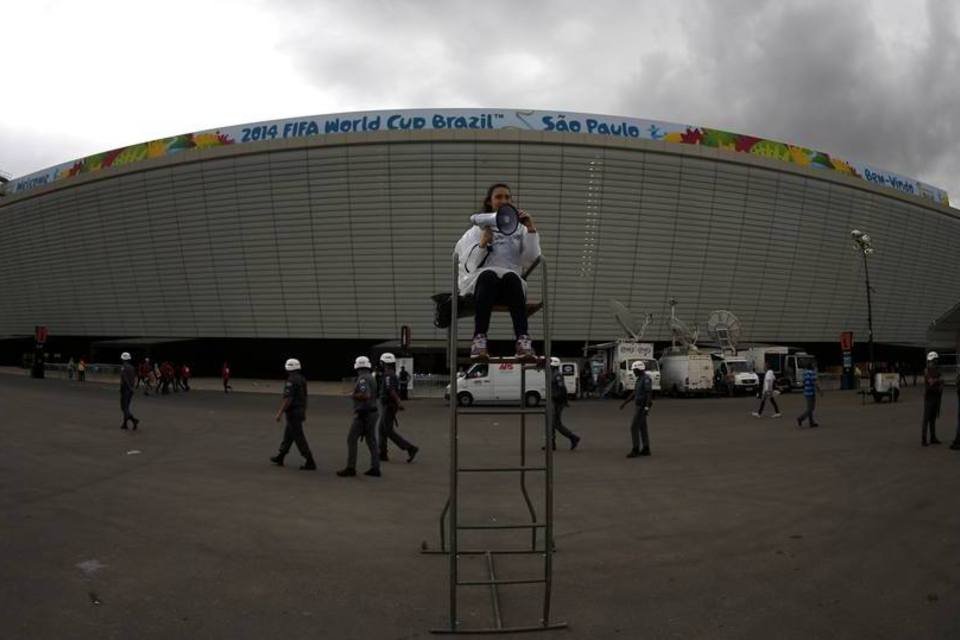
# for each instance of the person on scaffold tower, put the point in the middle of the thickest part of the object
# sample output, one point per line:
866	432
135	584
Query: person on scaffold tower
491	265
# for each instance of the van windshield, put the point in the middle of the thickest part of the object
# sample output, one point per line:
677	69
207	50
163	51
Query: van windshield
478	371
806	362
652	365
737	366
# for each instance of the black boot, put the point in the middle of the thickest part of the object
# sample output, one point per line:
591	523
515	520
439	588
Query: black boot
633	453
347	472
277	460
309	465
412	452
644	452
372	472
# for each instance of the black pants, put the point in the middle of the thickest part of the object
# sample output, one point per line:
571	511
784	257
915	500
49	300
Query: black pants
508	290
404	391
956	438
226	385
125	398
808	414
293	434
638	429
558	424
364	424
387	431
931	410
768	396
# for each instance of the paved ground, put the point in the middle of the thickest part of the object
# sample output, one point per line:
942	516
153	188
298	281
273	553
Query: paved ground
735	528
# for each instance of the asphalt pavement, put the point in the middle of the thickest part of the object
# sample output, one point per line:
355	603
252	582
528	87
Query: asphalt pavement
736	527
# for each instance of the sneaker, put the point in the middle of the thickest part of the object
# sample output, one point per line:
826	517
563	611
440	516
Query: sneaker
347	472
375	473
309	465
574	442
478	349
412	453
755	414
525	348
277	460
777	415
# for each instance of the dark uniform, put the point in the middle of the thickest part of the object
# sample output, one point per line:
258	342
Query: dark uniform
956	439
558	389
295	390
404	378
128	382
388	416
364	424
643	400
933	393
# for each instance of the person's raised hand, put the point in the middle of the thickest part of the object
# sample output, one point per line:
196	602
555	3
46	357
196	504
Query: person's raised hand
526	220
486	238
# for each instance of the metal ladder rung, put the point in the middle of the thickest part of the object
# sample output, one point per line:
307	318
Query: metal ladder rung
487	583
498	469
493	411
532	525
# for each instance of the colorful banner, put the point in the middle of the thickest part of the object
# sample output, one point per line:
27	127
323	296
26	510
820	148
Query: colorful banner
479	119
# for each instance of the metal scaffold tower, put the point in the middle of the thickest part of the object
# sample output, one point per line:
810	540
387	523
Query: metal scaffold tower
451	525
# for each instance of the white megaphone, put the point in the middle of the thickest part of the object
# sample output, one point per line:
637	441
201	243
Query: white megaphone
506	219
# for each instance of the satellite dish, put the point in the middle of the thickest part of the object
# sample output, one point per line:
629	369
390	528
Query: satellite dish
628	321
725	328
680	333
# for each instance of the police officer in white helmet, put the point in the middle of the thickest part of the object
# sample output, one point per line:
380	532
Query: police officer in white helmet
364	424
128	382
932	396
294	405
643	397
558	390
389	406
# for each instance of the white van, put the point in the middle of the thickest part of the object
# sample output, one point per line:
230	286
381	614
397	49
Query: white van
499	383
686	373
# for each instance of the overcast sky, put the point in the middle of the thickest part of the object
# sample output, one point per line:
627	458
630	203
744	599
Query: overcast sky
874	81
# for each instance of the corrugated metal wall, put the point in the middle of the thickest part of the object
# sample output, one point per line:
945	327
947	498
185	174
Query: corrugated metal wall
350	241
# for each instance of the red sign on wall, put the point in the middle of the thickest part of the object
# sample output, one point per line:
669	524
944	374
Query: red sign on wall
846	341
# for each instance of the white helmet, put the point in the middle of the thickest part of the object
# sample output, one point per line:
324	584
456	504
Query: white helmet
125	356
362	362
639	365
292	365
933	355
388	358
554	361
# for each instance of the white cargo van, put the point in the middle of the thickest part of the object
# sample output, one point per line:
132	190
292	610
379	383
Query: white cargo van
686	372
733	375
499	383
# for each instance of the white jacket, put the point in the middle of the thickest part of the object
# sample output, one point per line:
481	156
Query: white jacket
768	379
513	253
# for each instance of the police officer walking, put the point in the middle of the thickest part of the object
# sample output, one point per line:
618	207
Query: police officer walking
643	396
932	394
558	389
404	378
364	420
128	383
389	405
294	405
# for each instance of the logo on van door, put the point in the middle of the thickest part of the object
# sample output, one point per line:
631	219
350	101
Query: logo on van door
505	366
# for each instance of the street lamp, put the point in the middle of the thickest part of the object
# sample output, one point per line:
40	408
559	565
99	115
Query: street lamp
864	245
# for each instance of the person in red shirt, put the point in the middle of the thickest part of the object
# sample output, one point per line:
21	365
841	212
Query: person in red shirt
185	377
166	376
225	375
143	376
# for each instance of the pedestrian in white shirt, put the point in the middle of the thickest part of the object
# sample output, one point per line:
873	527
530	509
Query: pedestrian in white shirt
768	379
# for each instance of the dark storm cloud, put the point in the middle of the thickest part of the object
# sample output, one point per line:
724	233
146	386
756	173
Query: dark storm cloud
817	73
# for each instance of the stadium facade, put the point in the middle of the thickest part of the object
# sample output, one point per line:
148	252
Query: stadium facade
340	227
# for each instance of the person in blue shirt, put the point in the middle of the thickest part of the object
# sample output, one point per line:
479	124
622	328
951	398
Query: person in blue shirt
811	387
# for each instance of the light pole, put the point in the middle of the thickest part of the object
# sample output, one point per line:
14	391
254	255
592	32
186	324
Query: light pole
864	245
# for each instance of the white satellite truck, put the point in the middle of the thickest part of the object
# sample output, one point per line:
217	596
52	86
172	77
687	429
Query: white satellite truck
619	355
788	364
732	373
684	370
499	383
